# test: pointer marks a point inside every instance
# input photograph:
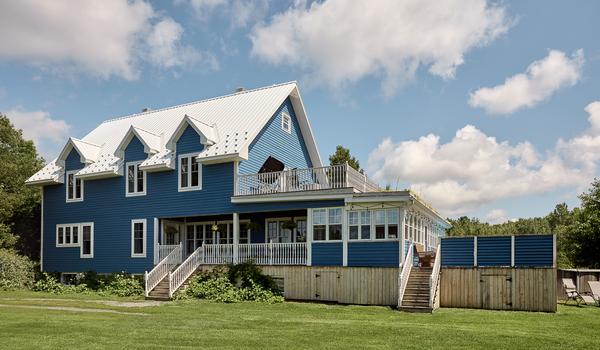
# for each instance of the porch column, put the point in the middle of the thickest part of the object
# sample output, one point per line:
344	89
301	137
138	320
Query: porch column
344	237
236	236
402	222
155	240
309	236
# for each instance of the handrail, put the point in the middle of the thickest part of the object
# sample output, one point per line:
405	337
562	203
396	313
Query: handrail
185	270
307	179
165	249
405	273
273	253
161	270
435	276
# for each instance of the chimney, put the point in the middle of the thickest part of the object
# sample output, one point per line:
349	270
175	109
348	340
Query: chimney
146	109
239	89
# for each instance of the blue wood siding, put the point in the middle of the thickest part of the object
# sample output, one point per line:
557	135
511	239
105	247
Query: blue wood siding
327	254
273	141
111	212
535	250
73	161
457	251
373	254
493	251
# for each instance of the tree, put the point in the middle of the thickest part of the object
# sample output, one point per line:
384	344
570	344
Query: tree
341	156
19	204
582	235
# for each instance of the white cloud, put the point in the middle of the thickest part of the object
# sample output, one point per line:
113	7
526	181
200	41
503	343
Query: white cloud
102	38
338	42
474	169
496	216
48	134
539	82
241	13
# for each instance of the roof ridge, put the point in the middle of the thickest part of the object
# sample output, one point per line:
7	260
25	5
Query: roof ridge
198	101
199	121
87	142
149	132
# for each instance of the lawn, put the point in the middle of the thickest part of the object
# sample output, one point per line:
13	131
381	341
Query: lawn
39	320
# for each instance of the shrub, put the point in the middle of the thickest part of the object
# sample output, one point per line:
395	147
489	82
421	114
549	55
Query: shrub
215	289
50	284
245	275
16	271
93	280
123	285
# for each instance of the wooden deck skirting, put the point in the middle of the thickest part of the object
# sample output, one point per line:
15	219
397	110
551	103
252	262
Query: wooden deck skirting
526	289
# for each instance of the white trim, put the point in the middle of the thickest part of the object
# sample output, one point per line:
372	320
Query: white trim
135	192
42	230
305	128
512	250
189	156
91	254
75	178
133	222
343	193
345	237
554	250
70	227
475	251
309	234
285	116
236	236
327	224
155	226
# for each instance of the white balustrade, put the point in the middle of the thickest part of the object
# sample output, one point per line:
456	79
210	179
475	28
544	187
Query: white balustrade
216	254
162	269
308	179
405	274
435	277
185	270
260	253
164	250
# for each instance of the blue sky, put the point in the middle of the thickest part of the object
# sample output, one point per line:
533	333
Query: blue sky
384	70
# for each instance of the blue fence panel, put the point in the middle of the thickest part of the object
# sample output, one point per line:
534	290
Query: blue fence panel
534	250
493	251
457	251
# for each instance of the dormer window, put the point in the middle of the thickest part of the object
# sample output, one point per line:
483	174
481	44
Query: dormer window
286	123
74	187
136	180
190	173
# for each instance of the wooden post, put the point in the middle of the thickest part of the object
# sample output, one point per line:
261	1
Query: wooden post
236	237
554	250
271	252
402	231
344	237
309	236
512	251
155	240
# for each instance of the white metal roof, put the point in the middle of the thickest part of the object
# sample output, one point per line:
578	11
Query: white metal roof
227	125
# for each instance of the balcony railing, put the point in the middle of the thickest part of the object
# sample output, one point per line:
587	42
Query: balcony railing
309	179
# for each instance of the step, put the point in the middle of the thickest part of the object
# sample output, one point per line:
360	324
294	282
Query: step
416	309
158	298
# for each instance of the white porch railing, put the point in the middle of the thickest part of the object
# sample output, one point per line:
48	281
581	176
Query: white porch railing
164	250
405	274
435	277
185	270
308	179
273	253
218	253
162	269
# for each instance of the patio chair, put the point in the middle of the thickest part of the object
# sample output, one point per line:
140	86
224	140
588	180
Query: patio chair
595	288
573	294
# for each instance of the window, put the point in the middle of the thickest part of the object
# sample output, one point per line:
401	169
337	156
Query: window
136	180
379	224
77	235
138	238
190	173
286	123
277	232
359	224
74	188
87	240
327	224
67	235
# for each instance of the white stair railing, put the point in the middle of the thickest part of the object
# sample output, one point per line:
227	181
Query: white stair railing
405	274
185	270
165	249
435	277
162	269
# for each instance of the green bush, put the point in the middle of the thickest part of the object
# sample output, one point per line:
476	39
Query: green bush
50	284
233	284
123	285
16	271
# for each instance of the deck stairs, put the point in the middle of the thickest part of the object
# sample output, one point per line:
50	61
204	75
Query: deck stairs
417	295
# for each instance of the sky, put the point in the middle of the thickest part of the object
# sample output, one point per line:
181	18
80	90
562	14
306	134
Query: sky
489	109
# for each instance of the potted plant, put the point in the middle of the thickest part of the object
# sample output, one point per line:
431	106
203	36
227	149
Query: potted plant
289	225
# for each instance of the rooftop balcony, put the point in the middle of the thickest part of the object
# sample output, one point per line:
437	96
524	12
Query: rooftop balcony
333	177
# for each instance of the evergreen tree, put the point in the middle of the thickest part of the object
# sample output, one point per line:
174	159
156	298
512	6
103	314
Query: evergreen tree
341	156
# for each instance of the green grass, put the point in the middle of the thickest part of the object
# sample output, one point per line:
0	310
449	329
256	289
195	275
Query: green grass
192	324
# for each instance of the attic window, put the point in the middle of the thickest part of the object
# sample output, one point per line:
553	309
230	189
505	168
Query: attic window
286	123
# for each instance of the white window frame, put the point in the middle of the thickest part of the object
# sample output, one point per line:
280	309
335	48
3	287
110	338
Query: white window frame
284	117
71	244
189	175
373	225
360	225
74	199
144	236
135	192
327	224
81	254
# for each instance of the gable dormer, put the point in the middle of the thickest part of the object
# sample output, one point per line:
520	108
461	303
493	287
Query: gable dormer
88	153
208	134
152	143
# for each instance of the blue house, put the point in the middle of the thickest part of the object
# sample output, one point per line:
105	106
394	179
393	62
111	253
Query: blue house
228	179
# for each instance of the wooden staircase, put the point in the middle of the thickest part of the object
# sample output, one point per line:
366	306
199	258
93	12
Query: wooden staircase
416	295
161	291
